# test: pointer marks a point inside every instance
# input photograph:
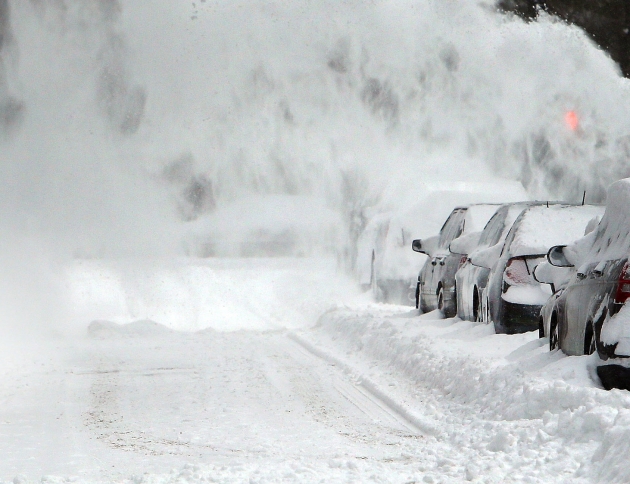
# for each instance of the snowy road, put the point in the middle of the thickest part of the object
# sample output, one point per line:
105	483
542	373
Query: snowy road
370	393
124	405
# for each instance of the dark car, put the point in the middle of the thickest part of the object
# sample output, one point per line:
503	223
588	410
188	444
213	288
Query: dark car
471	280
585	315
513	298
436	288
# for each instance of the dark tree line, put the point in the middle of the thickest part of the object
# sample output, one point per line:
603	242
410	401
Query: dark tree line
607	22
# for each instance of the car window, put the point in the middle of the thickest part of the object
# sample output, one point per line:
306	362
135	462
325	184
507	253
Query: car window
453	227
494	228
510	236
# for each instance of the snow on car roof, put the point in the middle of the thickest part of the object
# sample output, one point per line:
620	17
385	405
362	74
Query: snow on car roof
541	227
612	237
426	217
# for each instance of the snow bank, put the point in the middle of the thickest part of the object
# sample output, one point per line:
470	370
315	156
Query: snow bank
530	406
141	328
194	294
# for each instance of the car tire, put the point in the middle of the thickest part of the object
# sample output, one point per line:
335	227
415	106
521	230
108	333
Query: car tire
590	343
554	342
440	298
541	327
418	295
453	306
476	315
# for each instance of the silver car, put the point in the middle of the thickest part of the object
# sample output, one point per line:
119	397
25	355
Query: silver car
436	288
513	299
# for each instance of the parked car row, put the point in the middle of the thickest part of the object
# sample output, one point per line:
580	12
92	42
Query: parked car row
562	269
385	265
488	274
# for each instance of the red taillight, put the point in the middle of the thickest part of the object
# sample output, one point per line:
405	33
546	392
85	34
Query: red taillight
517	271
623	286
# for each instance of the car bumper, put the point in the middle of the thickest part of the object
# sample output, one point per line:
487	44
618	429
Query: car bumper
614	376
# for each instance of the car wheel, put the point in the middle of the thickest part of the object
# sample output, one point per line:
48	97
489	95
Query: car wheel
553	334
453	311
440	298
418	295
476	315
590	344
486	315
541	327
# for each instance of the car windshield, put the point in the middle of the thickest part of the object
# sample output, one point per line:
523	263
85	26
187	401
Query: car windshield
494	228
453	227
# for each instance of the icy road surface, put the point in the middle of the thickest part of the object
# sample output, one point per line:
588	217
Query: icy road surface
371	393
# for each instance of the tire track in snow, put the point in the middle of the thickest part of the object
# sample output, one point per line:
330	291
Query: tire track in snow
367	396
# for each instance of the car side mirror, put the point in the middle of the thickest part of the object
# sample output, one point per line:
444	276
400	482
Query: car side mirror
465	244
426	246
556	257
487	257
416	245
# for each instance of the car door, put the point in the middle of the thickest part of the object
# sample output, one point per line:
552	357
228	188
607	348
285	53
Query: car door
571	314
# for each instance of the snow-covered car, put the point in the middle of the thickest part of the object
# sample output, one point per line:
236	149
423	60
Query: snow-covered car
370	248
585	313
436	287
558	278
513	298
471	280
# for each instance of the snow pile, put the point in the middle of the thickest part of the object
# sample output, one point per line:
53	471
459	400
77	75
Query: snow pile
141	328
543	227
521	403
608	237
191	294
